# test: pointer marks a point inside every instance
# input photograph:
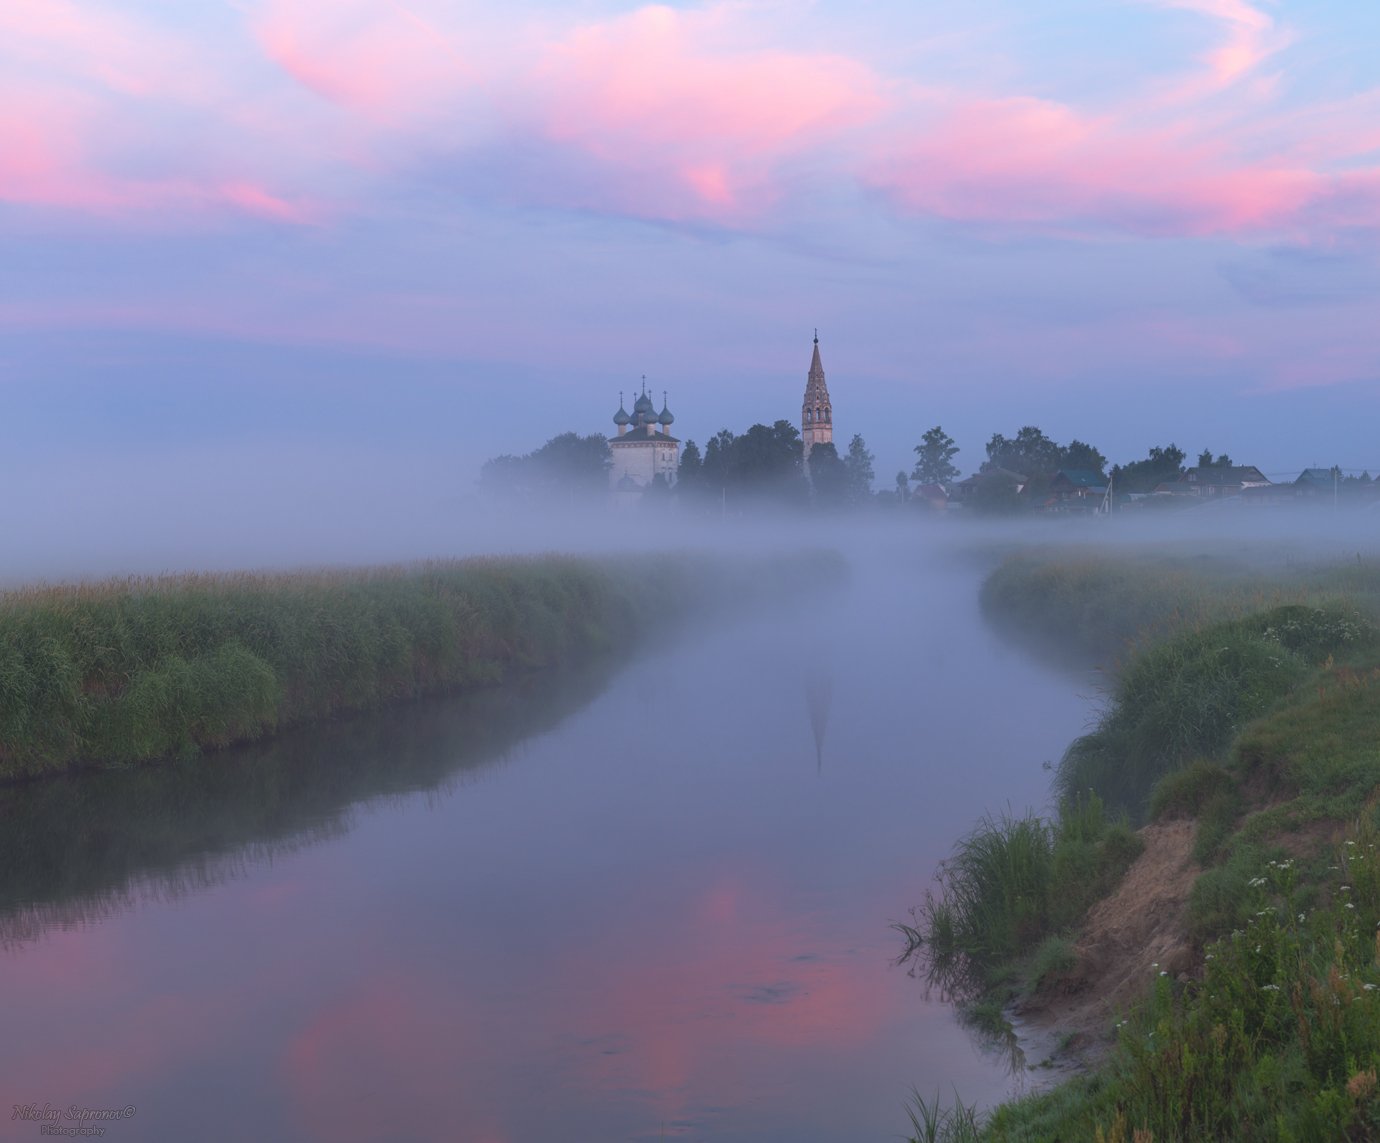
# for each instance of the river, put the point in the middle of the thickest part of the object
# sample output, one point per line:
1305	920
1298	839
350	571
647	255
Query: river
641	903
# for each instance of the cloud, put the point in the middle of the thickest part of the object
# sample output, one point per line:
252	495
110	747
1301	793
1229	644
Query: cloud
700	115
1249	36
46	161
101	49
1030	161
669	93
384	60
108	116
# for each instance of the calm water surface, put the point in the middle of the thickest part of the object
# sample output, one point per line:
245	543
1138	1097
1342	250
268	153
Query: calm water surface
616	905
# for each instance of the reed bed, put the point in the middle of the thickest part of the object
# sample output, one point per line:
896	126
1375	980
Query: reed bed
132	670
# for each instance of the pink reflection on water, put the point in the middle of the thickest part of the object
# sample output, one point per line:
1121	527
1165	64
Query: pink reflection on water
715	998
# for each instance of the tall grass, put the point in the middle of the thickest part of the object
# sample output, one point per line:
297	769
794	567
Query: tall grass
1188	697
1254	710
1098	609
1279	1040
1010	884
131	670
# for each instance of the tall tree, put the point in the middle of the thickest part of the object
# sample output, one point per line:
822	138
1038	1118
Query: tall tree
691	470
718	459
762	464
828	477
859	462
1029	452
1077	455
1205	460
935	455
1161	464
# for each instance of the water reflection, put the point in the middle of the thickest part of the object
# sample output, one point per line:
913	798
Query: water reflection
952	978
819	696
77	849
654	927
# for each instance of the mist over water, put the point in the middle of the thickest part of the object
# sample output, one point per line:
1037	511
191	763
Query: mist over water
669	912
299	503
652	905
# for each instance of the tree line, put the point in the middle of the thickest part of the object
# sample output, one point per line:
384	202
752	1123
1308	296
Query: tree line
766	466
1031	459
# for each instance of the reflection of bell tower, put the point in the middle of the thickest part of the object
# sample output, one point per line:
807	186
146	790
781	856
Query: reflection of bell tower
819	696
816	415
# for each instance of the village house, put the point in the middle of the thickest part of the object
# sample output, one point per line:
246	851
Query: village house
1076	490
1214	482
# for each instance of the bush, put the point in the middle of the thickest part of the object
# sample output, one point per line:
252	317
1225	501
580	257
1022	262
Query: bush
1182	793
1180	700
1053	958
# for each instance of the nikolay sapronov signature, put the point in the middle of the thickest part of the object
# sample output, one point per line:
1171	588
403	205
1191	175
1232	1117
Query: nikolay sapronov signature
71	1122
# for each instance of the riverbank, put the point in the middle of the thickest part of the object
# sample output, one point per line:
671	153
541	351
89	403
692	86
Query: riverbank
141	670
1227	984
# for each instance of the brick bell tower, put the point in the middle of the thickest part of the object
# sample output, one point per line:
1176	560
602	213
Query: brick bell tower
816	413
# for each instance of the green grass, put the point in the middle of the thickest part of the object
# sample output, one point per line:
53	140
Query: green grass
137	670
1098	609
1188	697
1052	959
1279	1040
1011	884
1255	710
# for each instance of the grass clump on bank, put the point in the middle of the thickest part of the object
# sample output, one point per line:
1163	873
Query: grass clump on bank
1188	697
135	670
1014	885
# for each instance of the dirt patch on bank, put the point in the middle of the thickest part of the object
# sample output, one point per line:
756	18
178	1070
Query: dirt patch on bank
1125	942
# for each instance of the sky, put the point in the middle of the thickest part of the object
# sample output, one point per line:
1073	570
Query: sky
320	247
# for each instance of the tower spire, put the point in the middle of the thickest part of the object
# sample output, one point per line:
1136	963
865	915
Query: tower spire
816	411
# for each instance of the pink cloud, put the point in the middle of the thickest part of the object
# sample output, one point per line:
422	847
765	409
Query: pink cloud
40	156
102	48
1249	37
1029	161
386	61
660	91
668	113
37	170
87	91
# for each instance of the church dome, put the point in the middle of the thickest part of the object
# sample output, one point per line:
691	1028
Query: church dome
621	417
644	406
666	417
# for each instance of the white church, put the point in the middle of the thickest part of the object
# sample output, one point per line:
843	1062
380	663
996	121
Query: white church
645	449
